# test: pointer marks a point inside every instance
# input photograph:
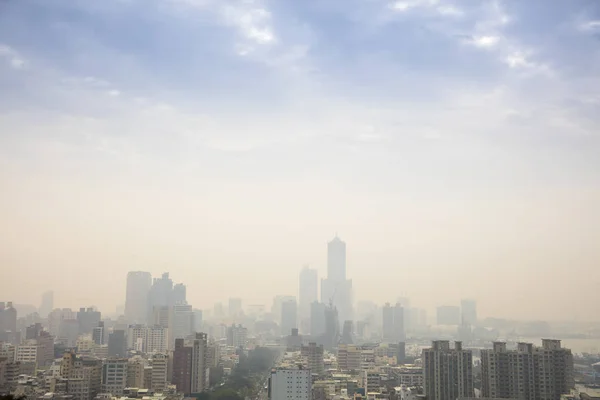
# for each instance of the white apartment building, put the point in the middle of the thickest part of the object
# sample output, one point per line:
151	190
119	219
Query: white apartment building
114	376
290	384
136	337
159	372
157	339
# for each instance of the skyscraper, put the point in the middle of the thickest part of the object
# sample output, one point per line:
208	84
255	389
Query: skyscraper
336	289
235	307
308	291
447	373
47	304
289	317
179	294
317	319
181	322
200	367
468	309
136	296
393	323
88	319
160	293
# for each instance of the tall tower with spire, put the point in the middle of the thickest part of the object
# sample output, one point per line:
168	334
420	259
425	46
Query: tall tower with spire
336	290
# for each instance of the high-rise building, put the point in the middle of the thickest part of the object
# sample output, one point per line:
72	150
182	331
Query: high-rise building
528	372
200	368
99	334
136	296
308	291
182	367
289	317
317	319
160	293
448	315
117	344
393	323
468	309
160	364
447	373
114	376
135	372
277	303
198	320
8	318
336	289
347	333
136	337
235	307
237	336
332	328
181	322
290	384
179	294
313	356
349	357
88	319
157	339
47	304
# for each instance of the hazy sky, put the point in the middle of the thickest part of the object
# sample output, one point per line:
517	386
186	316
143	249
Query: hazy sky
454	145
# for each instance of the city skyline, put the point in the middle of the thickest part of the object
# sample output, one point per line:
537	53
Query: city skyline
442	139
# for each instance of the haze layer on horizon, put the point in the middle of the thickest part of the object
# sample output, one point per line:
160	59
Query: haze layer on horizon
454	145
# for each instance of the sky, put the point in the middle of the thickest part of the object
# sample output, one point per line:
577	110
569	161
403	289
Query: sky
454	145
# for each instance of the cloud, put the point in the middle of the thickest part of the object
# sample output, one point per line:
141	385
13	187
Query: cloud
590	26
485	41
13	58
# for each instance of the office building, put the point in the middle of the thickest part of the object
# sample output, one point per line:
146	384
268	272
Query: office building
313	357
447	372
198	317
47	304
88	319
308	292
290	384
347	333
448	315
336	289
289	317
200	368
181	322
528	372
317	319
135	372
235	307
179	294
136	337
159	364
468	309
349	357
114	376
99	334
136	297
68	332
8	319
182	367
393	323
190	365
237	336
117	344
331	336
160	294
277	304
157	339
